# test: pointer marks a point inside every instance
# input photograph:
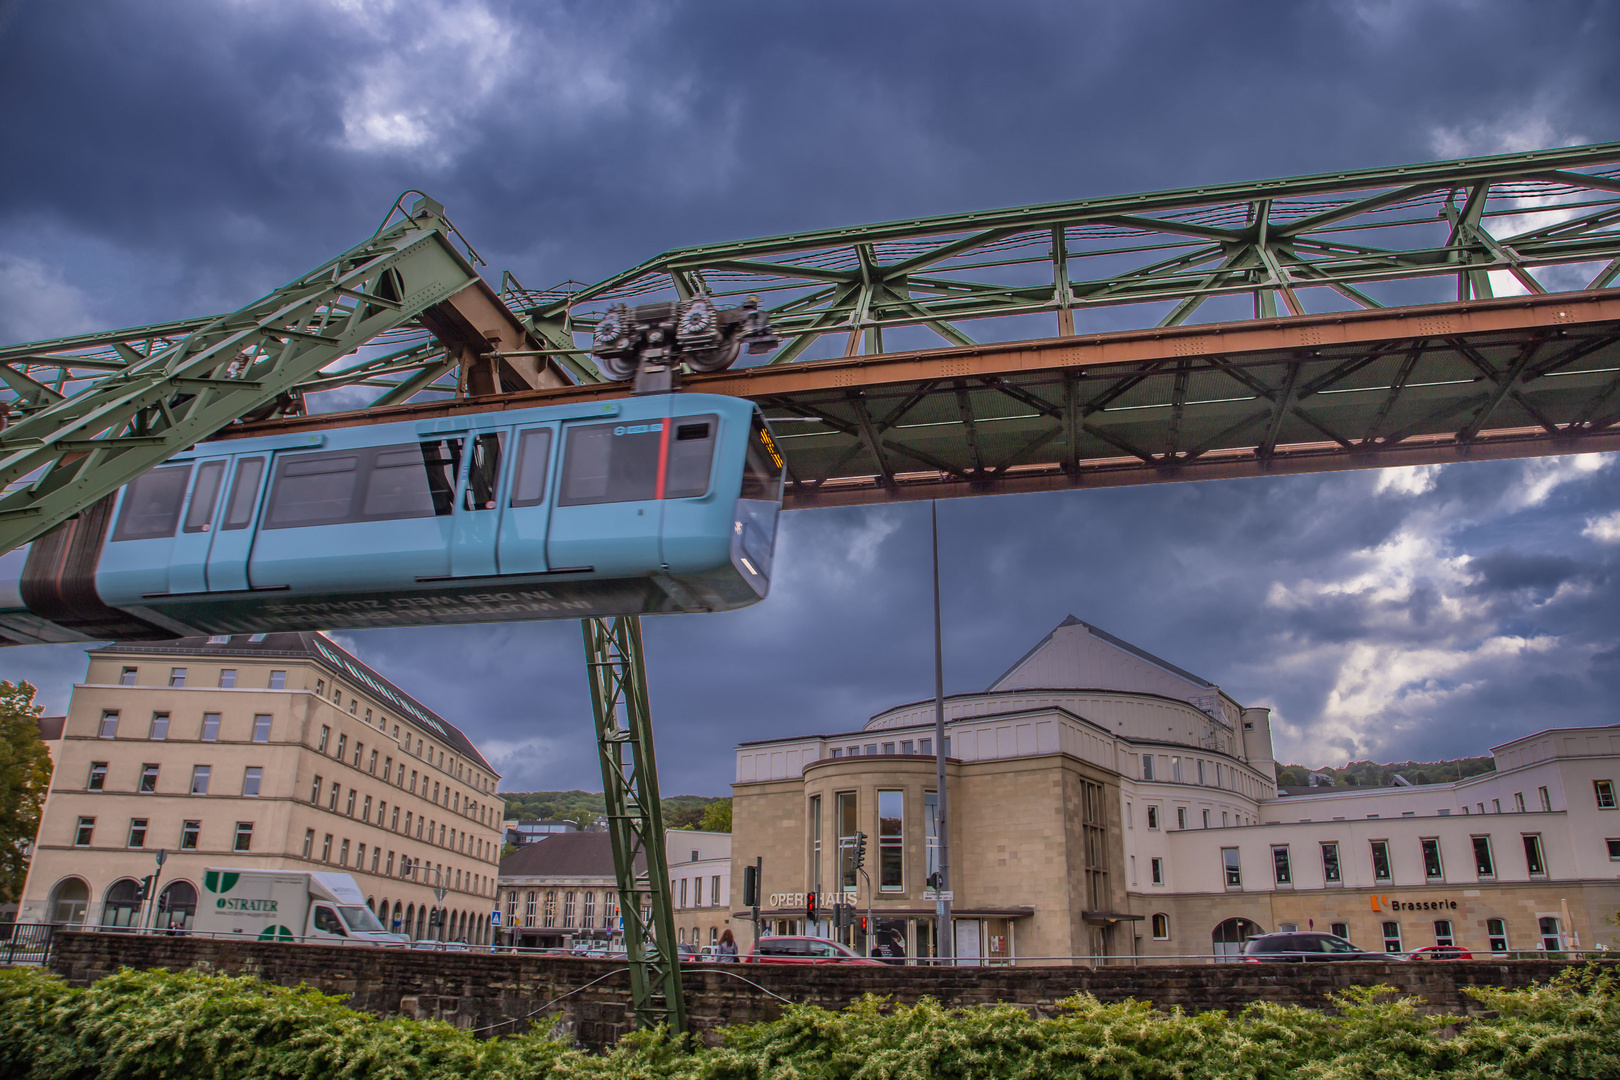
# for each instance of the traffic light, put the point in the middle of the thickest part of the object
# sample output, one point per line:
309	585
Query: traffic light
843	915
750	886
863	924
810	906
934	880
433	919
144	889
860	850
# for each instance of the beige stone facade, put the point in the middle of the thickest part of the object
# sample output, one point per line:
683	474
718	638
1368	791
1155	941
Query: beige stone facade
276	751
1105	803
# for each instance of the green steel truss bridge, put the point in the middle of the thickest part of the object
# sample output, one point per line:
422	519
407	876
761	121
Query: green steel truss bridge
1433	312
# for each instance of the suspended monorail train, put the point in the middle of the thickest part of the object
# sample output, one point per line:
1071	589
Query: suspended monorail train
645	505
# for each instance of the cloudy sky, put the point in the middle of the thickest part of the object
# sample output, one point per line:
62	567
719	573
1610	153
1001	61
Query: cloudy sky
168	159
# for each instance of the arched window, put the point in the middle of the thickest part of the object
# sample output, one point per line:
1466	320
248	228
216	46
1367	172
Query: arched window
119	907
1161	926
549	915
69	900
680	935
1229	936
410	919
176	906
396	923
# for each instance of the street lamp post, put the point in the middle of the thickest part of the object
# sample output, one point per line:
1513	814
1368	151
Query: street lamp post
944	946
152	899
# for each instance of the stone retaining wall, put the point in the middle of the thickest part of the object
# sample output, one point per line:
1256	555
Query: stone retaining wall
494	994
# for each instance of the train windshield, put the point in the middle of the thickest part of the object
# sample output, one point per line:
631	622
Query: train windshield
762	471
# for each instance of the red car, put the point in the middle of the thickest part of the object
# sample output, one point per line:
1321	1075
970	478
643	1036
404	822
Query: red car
1441	952
804	950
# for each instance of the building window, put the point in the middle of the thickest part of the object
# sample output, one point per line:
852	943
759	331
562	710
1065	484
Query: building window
390	870
814	818
1442	932
244	836
309	842
528	908
109	725
1392	937
199	779
349	809
1380	858
343	744
315	791
365	810
1614	848
1234	871
1339	929
1147	766
373	764
160	726
588	913
1484	865
1546	799
320	686
891	841
1153	817
1432	870
1280	866
343	853
413	780
1181	817
360	857
86	830
1206	819
1552	939
1201	772
1330	864
177	676
126	677
1496	806
137	832
1604	789
261	728
1532	855
926	746
1496	932
1175	769
682	902
326	733
1094	845
149	778
98	776
568	910
511	908
1161	927
332	797
210	728
252	777
189	832
847	827
394	824
227	678
548	916
1156	867
278	680
714	890
930	839
326	848
1518	801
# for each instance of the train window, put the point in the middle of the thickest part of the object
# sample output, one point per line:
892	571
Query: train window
484	472
441	459
239	511
691	453
533	456
152	504
312	489
605	463
200	514
402	482
762	470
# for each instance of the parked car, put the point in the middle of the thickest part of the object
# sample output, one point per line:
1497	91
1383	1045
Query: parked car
1440	952
1294	948
691	954
804	950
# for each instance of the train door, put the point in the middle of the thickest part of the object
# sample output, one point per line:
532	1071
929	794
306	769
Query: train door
478	513
188	563
607	513
233	535
521	548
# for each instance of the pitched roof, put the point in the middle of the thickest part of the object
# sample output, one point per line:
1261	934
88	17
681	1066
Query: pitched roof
569	854
307	645
1103	635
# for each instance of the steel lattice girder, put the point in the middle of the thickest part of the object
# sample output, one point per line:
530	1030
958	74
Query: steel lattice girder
1310	243
618	678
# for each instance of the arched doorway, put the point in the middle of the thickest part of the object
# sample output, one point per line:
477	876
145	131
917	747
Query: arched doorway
1229	937
69	899
119	907
396	922
421	922
177	906
410	919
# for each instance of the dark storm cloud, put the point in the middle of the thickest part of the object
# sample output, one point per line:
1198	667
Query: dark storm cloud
171	158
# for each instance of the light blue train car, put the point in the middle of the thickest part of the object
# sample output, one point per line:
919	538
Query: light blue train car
639	506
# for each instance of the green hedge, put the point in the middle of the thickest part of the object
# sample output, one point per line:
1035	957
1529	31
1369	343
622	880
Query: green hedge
202	1027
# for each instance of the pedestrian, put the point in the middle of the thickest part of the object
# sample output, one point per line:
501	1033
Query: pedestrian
727	950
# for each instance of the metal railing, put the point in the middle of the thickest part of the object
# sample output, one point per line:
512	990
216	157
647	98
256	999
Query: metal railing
26	943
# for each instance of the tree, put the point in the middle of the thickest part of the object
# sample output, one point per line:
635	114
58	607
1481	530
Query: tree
25	776
717	816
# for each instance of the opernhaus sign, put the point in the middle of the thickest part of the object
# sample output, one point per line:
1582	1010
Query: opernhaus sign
1384	903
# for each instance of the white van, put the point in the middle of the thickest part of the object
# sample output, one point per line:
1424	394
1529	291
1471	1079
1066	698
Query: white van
288	905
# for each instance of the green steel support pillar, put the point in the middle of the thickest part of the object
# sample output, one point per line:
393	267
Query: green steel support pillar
635	820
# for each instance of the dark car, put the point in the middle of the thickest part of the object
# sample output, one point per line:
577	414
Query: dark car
1294	948
804	950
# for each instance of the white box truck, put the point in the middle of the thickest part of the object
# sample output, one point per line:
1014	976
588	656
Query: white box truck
288	905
